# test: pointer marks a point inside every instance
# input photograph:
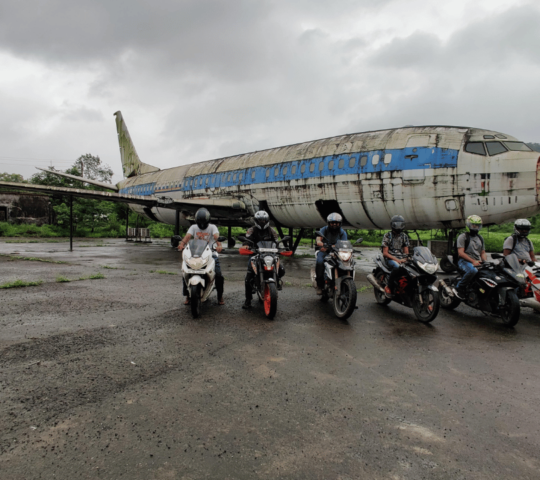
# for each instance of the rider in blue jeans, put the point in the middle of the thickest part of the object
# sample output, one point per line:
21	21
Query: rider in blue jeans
471	255
333	232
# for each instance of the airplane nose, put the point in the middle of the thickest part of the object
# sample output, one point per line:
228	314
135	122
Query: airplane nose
538	181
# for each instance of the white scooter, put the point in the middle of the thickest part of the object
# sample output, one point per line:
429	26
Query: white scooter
198	271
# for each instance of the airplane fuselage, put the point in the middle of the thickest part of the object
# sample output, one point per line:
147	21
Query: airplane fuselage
435	176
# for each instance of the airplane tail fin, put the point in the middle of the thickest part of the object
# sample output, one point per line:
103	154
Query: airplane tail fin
131	163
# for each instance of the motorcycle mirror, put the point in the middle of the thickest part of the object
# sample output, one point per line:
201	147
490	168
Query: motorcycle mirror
284	239
242	238
360	240
221	239
497	255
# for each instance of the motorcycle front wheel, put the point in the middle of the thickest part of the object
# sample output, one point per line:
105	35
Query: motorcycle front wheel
427	309
345	302
510	311
270	300
195	300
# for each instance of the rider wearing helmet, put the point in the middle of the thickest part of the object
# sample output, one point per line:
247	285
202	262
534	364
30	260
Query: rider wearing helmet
204	230
261	231
471	252
395	245
333	232
518	242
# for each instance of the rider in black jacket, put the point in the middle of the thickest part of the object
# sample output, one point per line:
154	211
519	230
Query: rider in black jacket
261	231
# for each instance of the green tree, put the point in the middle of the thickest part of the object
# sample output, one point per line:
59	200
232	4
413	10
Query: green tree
12	177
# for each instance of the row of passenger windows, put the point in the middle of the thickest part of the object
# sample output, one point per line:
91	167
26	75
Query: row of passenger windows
312	166
495	148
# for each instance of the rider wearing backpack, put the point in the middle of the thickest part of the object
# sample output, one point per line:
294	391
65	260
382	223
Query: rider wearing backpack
518	242
395	244
471	253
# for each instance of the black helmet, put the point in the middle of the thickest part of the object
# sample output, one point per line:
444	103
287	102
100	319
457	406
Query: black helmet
334	221
202	218
397	223
262	219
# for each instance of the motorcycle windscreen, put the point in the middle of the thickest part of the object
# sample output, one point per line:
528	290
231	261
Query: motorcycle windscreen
197	247
423	255
344	245
266	244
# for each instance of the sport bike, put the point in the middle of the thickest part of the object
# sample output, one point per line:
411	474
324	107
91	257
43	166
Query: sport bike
265	263
414	288
494	289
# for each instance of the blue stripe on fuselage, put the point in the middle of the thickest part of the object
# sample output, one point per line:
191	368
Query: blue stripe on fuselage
411	158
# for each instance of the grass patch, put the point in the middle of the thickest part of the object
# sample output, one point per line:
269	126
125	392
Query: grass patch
95	276
21	284
365	288
163	272
110	268
61	279
31	259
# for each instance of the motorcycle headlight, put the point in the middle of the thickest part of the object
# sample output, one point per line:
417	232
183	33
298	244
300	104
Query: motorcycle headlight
195	263
345	256
269	262
430	268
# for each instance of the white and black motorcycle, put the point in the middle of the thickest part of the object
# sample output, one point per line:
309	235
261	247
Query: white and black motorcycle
199	272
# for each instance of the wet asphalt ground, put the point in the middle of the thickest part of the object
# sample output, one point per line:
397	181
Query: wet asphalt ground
111	378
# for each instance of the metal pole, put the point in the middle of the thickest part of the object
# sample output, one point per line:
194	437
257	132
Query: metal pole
177	223
291	234
127	222
70	223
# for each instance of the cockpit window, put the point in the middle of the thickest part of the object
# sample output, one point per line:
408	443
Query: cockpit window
490	136
500	136
475	147
517	147
494	148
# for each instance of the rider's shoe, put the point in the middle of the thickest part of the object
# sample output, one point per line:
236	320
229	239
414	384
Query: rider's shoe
247	305
318	291
280	285
187	301
388	292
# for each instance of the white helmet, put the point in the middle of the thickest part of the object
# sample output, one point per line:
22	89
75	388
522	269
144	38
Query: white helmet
522	227
262	219
334	221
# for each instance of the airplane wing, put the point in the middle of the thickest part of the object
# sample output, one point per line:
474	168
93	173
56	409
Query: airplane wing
217	206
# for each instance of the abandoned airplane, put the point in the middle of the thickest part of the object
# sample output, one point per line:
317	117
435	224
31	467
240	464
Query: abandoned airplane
435	176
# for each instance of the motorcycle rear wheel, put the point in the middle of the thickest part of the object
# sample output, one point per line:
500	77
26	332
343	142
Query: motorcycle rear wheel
511	310
380	297
448	302
345	302
429	308
195	300
270	300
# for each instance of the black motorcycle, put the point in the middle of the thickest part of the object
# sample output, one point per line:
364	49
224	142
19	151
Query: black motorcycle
265	263
414	288
494	289
339	276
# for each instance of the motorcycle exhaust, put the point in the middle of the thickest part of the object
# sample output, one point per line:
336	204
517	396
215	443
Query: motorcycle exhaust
374	282
530	302
447	289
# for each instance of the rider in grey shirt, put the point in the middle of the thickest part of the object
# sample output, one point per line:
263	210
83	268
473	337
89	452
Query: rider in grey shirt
518	242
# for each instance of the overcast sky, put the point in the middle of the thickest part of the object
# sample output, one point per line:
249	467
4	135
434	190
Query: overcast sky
203	79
